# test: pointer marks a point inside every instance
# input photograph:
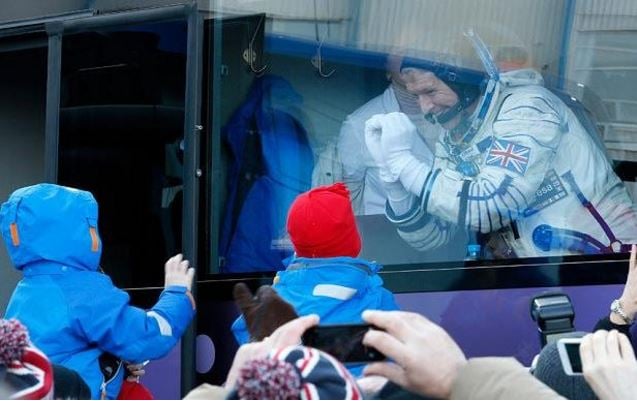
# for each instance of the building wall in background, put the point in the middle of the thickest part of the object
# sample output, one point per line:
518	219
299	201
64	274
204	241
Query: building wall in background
22	107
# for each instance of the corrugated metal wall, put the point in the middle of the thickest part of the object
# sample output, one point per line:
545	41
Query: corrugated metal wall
603	60
428	24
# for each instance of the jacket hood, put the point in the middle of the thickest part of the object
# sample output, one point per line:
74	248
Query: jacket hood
305	273
47	222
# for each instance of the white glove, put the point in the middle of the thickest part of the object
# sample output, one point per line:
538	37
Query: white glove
373	130
397	138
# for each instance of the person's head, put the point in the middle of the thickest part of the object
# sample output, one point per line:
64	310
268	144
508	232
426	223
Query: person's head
295	373
321	223
53	223
446	92
451	74
435	97
25	372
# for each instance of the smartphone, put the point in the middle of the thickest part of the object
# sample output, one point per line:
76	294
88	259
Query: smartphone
343	341
568	349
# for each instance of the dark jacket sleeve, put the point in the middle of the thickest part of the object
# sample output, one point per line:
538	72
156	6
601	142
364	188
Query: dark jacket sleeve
606	324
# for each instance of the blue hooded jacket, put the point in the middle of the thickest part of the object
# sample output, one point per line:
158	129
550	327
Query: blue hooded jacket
253	232
73	312
337	289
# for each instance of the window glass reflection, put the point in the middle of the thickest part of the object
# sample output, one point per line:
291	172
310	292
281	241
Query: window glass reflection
493	131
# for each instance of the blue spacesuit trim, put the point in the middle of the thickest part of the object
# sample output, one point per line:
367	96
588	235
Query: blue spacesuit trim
492	88
495	203
416	225
462	212
526	202
405	217
422	191
548	238
431	178
568	176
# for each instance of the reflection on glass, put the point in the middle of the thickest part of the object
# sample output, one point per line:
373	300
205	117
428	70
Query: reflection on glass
463	130
121	124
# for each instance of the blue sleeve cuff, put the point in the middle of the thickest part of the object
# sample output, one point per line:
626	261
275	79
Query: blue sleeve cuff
180	289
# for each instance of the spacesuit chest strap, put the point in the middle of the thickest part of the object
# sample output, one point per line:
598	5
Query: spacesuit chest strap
615	245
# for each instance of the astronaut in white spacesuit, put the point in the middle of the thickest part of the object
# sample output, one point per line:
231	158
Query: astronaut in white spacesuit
515	163
360	170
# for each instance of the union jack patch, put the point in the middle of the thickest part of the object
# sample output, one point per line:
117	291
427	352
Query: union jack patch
509	155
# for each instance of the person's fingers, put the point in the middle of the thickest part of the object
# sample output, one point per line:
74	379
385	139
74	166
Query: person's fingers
586	353
387	344
172	263
612	345
138	372
600	352
399	324
190	276
388	370
183	265
626	348
291	332
374	124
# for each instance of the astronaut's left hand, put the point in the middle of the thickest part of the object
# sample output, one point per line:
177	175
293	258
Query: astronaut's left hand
397	139
373	132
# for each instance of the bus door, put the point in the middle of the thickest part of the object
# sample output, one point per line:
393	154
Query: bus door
122	121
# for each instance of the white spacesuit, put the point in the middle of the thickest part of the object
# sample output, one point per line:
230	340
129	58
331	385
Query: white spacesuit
530	176
360	171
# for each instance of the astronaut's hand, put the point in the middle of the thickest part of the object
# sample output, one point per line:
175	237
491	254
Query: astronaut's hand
178	272
397	139
398	135
373	131
264	311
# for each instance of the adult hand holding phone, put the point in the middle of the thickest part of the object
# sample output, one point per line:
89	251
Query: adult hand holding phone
343	341
426	359
609	365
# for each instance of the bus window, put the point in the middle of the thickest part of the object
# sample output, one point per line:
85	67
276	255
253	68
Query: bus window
505	152
121	131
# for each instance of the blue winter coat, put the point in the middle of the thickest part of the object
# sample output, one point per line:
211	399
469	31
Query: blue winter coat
337	289
73	312
253	232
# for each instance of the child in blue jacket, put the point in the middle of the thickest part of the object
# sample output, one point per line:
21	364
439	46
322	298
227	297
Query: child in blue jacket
73	312
326	277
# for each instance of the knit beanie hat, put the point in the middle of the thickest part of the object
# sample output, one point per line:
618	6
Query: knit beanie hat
295	373
321	223
25	372
69	385
549	370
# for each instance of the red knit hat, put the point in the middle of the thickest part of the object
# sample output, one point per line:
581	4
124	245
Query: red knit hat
321	223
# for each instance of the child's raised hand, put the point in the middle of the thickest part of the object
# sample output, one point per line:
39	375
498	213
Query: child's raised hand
178	272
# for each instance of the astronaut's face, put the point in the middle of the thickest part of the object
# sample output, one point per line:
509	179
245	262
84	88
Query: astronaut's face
434	96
